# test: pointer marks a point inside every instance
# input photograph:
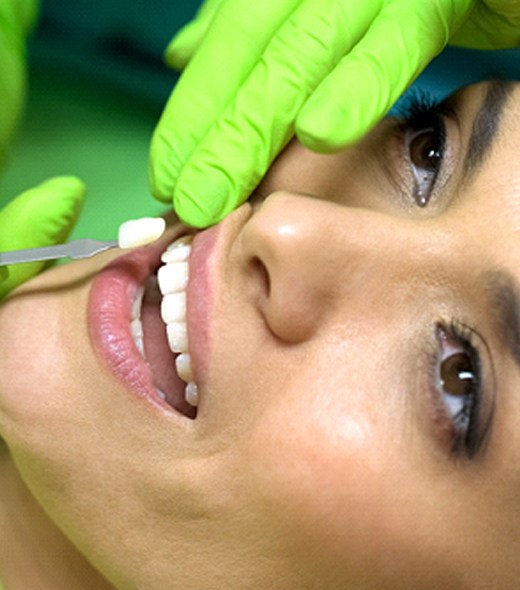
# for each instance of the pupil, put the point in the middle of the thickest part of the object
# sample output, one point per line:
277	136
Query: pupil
457	374
424	150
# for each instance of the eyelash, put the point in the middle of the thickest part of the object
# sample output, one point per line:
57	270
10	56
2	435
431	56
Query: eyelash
422	113
465	429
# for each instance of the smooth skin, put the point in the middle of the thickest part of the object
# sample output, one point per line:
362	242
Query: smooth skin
327	70
322	454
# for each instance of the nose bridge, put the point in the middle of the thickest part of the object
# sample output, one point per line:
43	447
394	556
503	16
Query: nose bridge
317	255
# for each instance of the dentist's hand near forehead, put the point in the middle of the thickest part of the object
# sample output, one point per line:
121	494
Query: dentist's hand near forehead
327	70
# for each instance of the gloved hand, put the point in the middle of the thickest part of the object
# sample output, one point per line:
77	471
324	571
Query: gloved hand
325	69
187	40
41	216
16	19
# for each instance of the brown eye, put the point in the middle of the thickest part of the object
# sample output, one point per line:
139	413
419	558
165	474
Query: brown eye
457	375
425	152
460	386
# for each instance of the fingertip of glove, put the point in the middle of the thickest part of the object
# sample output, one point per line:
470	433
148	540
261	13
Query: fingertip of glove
200	212
191	213
205	193
64	196
49	210
326	133
181	48
318	142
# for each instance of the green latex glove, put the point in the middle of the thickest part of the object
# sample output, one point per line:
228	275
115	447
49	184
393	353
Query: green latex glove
16	19
41	216
187	40
326	70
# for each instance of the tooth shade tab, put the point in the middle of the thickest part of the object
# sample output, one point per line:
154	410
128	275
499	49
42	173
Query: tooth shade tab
140	232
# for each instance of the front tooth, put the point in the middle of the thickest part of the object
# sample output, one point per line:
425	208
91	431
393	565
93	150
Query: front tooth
191	394
177	336
183	365
179	251
173	277
173	308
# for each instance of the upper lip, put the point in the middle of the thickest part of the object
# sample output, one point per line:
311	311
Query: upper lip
209	266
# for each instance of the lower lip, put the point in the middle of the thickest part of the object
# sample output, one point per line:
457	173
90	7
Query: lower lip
109	311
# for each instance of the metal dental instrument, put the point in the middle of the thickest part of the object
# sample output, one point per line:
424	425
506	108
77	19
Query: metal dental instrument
75	249
131	234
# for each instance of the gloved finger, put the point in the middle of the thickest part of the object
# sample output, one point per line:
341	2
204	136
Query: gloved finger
18	15
370	78
507	8
184	44
14	20
203	92
246	138
492	24
42	216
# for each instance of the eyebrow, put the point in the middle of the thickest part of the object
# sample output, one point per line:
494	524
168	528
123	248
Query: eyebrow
504	295
486	125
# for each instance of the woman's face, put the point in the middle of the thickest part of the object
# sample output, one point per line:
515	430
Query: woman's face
354	335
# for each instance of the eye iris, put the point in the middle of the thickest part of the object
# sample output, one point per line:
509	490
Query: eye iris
425	151
457	374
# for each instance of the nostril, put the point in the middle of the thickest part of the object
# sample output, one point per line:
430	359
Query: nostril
260	270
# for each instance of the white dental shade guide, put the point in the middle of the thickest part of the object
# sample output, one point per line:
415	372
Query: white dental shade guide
140	232
131	234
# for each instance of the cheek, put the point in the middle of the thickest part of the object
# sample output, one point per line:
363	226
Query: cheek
335	477
318	464
37	375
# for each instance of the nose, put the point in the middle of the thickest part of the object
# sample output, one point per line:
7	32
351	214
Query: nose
316	259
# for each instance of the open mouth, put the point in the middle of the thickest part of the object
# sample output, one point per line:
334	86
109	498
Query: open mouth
159	329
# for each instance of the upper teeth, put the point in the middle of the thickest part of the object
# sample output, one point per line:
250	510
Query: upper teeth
172	278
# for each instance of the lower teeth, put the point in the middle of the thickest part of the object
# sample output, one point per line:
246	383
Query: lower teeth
191	394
